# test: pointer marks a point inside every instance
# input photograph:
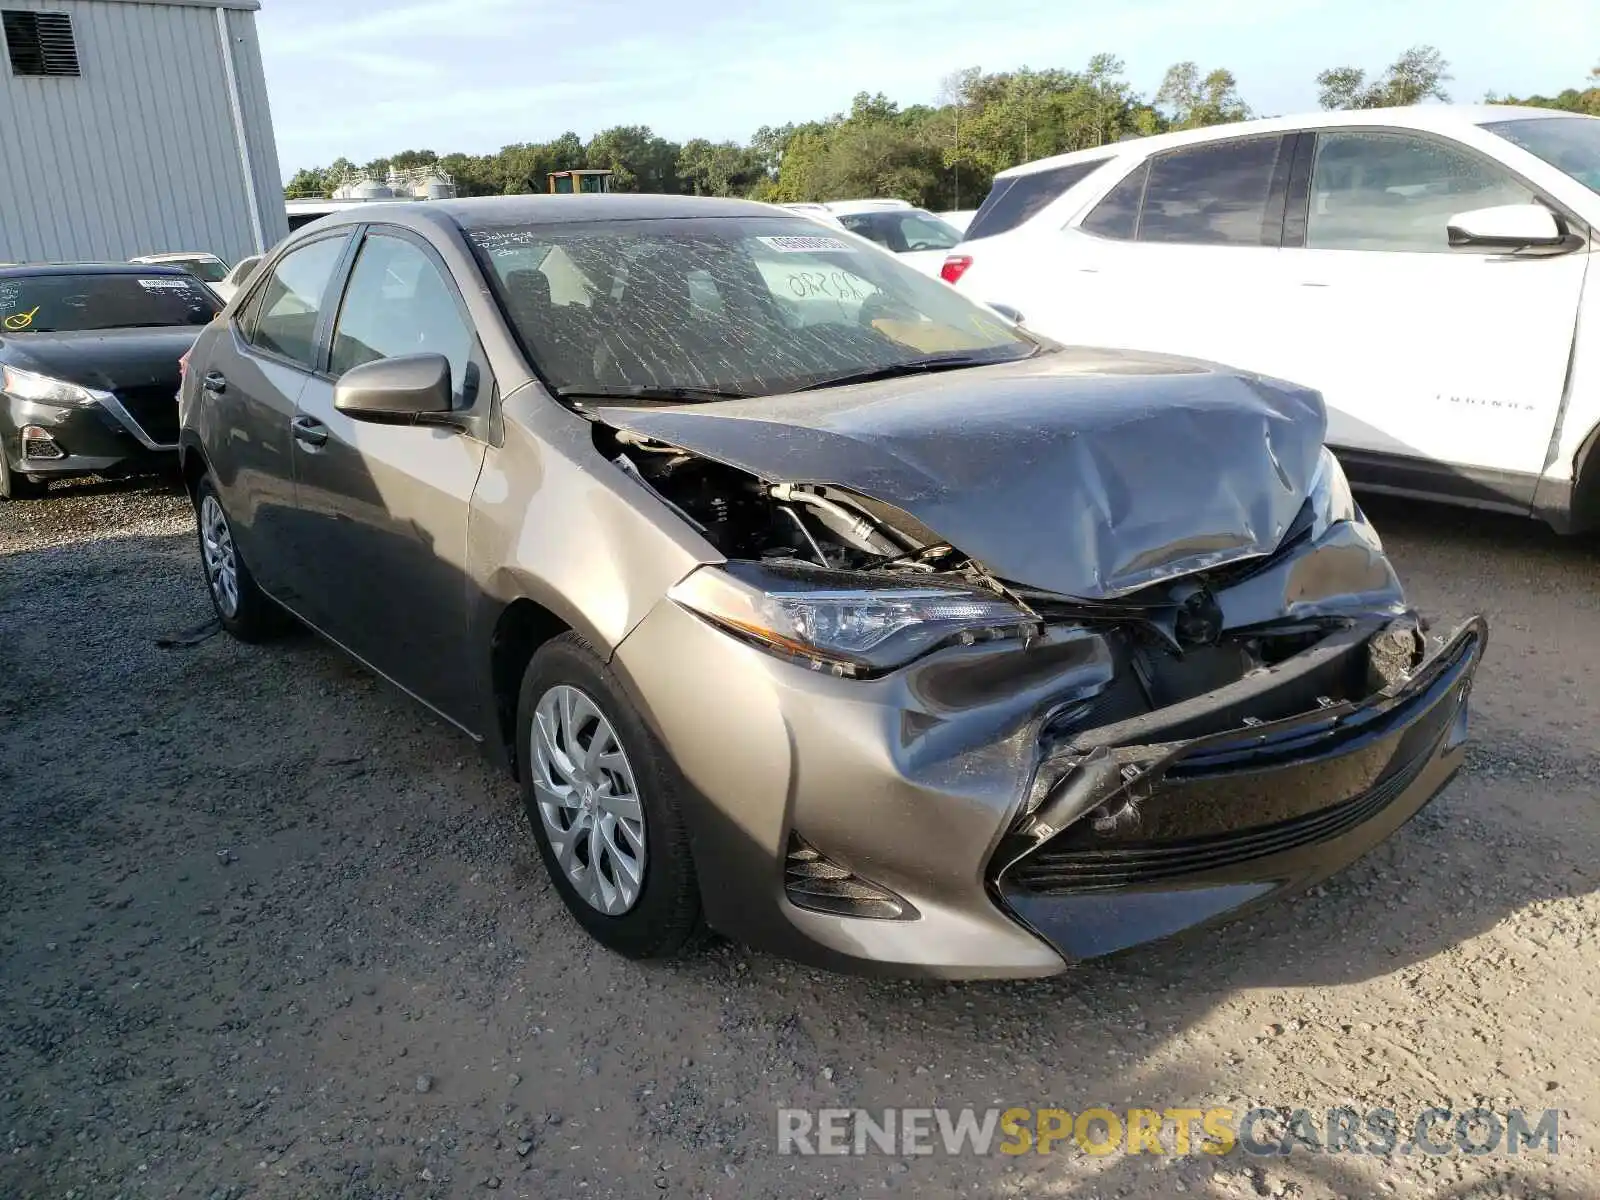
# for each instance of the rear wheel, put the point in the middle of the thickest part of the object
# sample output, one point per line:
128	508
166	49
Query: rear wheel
601	795
241	606
14	486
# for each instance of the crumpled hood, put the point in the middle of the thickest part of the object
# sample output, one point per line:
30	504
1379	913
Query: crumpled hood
1089	473
104	359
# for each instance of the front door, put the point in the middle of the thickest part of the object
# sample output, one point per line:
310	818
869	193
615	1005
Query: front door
1449	359
254	372
383	509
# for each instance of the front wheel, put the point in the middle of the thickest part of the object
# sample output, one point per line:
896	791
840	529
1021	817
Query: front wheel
601	795
18	487
243	608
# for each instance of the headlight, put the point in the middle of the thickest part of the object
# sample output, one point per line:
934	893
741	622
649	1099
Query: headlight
844	621
1330	496
25	385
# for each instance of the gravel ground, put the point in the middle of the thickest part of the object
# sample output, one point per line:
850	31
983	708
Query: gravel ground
271	931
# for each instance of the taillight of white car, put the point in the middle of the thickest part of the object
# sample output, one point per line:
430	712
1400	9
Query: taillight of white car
955	266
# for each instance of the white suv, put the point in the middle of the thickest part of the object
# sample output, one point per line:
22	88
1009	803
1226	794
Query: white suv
920	239
1425	268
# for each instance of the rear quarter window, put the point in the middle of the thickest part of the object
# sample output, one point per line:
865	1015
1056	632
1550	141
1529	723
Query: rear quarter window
1117	215
1019	198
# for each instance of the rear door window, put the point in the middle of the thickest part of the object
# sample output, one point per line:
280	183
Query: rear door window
1018	198
1218	194
285	315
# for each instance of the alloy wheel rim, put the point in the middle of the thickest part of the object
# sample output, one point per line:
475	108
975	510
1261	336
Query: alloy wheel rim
588	800
222	565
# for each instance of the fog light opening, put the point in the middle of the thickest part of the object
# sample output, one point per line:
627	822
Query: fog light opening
39	446
813	882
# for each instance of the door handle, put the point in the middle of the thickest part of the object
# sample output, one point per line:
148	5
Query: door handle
309	430
215	381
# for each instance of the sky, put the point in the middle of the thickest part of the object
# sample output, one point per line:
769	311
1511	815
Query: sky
369	78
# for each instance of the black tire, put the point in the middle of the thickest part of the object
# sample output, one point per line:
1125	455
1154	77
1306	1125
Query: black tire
255	618
18	487
665	920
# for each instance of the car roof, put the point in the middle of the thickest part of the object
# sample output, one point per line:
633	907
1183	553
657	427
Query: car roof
90	268
175	256
488	211
1435	118
851	207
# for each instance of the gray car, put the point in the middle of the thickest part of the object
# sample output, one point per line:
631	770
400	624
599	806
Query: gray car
808	601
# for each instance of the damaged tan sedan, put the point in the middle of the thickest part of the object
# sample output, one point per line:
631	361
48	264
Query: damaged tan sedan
808	601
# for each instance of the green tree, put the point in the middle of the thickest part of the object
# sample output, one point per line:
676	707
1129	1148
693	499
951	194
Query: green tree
940	155
308	183
638	159
1584	100
1193	100
407	160
718	168
1417	75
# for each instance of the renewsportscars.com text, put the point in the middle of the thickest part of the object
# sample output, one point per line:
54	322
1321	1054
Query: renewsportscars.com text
1173	1131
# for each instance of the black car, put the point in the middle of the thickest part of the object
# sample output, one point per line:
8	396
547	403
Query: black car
89	369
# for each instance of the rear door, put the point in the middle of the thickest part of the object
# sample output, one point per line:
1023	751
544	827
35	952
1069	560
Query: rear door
1180	256
1443	369
382	510
253	375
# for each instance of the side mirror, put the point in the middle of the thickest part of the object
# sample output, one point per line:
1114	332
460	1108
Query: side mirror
411	390
1507	227
1009	313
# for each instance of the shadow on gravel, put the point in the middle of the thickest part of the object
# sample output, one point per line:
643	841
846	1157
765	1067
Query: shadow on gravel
93	487
1450	529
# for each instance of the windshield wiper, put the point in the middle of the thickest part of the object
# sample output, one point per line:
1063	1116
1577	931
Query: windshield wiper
914	366
645	392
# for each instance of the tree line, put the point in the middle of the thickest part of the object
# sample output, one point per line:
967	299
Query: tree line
941	156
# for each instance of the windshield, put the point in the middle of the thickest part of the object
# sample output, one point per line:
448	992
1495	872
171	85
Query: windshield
1570	144
903	229
753	306
73	303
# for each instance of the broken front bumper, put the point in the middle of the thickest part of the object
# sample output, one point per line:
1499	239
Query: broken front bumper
1136	842
918	796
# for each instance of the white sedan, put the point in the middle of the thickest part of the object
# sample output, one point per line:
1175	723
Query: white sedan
920	239
1427	269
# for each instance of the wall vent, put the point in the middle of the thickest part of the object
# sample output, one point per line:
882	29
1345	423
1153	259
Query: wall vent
40	43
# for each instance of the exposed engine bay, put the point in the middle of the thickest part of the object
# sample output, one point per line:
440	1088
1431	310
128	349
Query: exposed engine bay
748	518
1169	643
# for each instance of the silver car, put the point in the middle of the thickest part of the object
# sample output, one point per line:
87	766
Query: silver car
810	602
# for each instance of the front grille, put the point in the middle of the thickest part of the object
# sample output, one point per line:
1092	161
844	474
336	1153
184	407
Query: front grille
812	881
1070	871
155	408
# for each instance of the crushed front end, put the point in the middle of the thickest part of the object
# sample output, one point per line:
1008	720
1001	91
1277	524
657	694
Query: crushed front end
1146	826
1212	700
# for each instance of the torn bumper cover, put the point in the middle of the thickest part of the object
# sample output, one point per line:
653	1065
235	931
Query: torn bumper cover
950	820
1141	830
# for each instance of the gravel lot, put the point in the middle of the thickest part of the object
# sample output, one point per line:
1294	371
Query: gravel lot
272	931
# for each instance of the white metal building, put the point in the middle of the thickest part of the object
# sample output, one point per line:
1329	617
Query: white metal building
134	127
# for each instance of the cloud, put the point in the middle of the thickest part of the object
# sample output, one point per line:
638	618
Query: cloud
431	19
474	74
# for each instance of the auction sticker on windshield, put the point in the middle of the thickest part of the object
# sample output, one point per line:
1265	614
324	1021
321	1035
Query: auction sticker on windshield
806	244
164	285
